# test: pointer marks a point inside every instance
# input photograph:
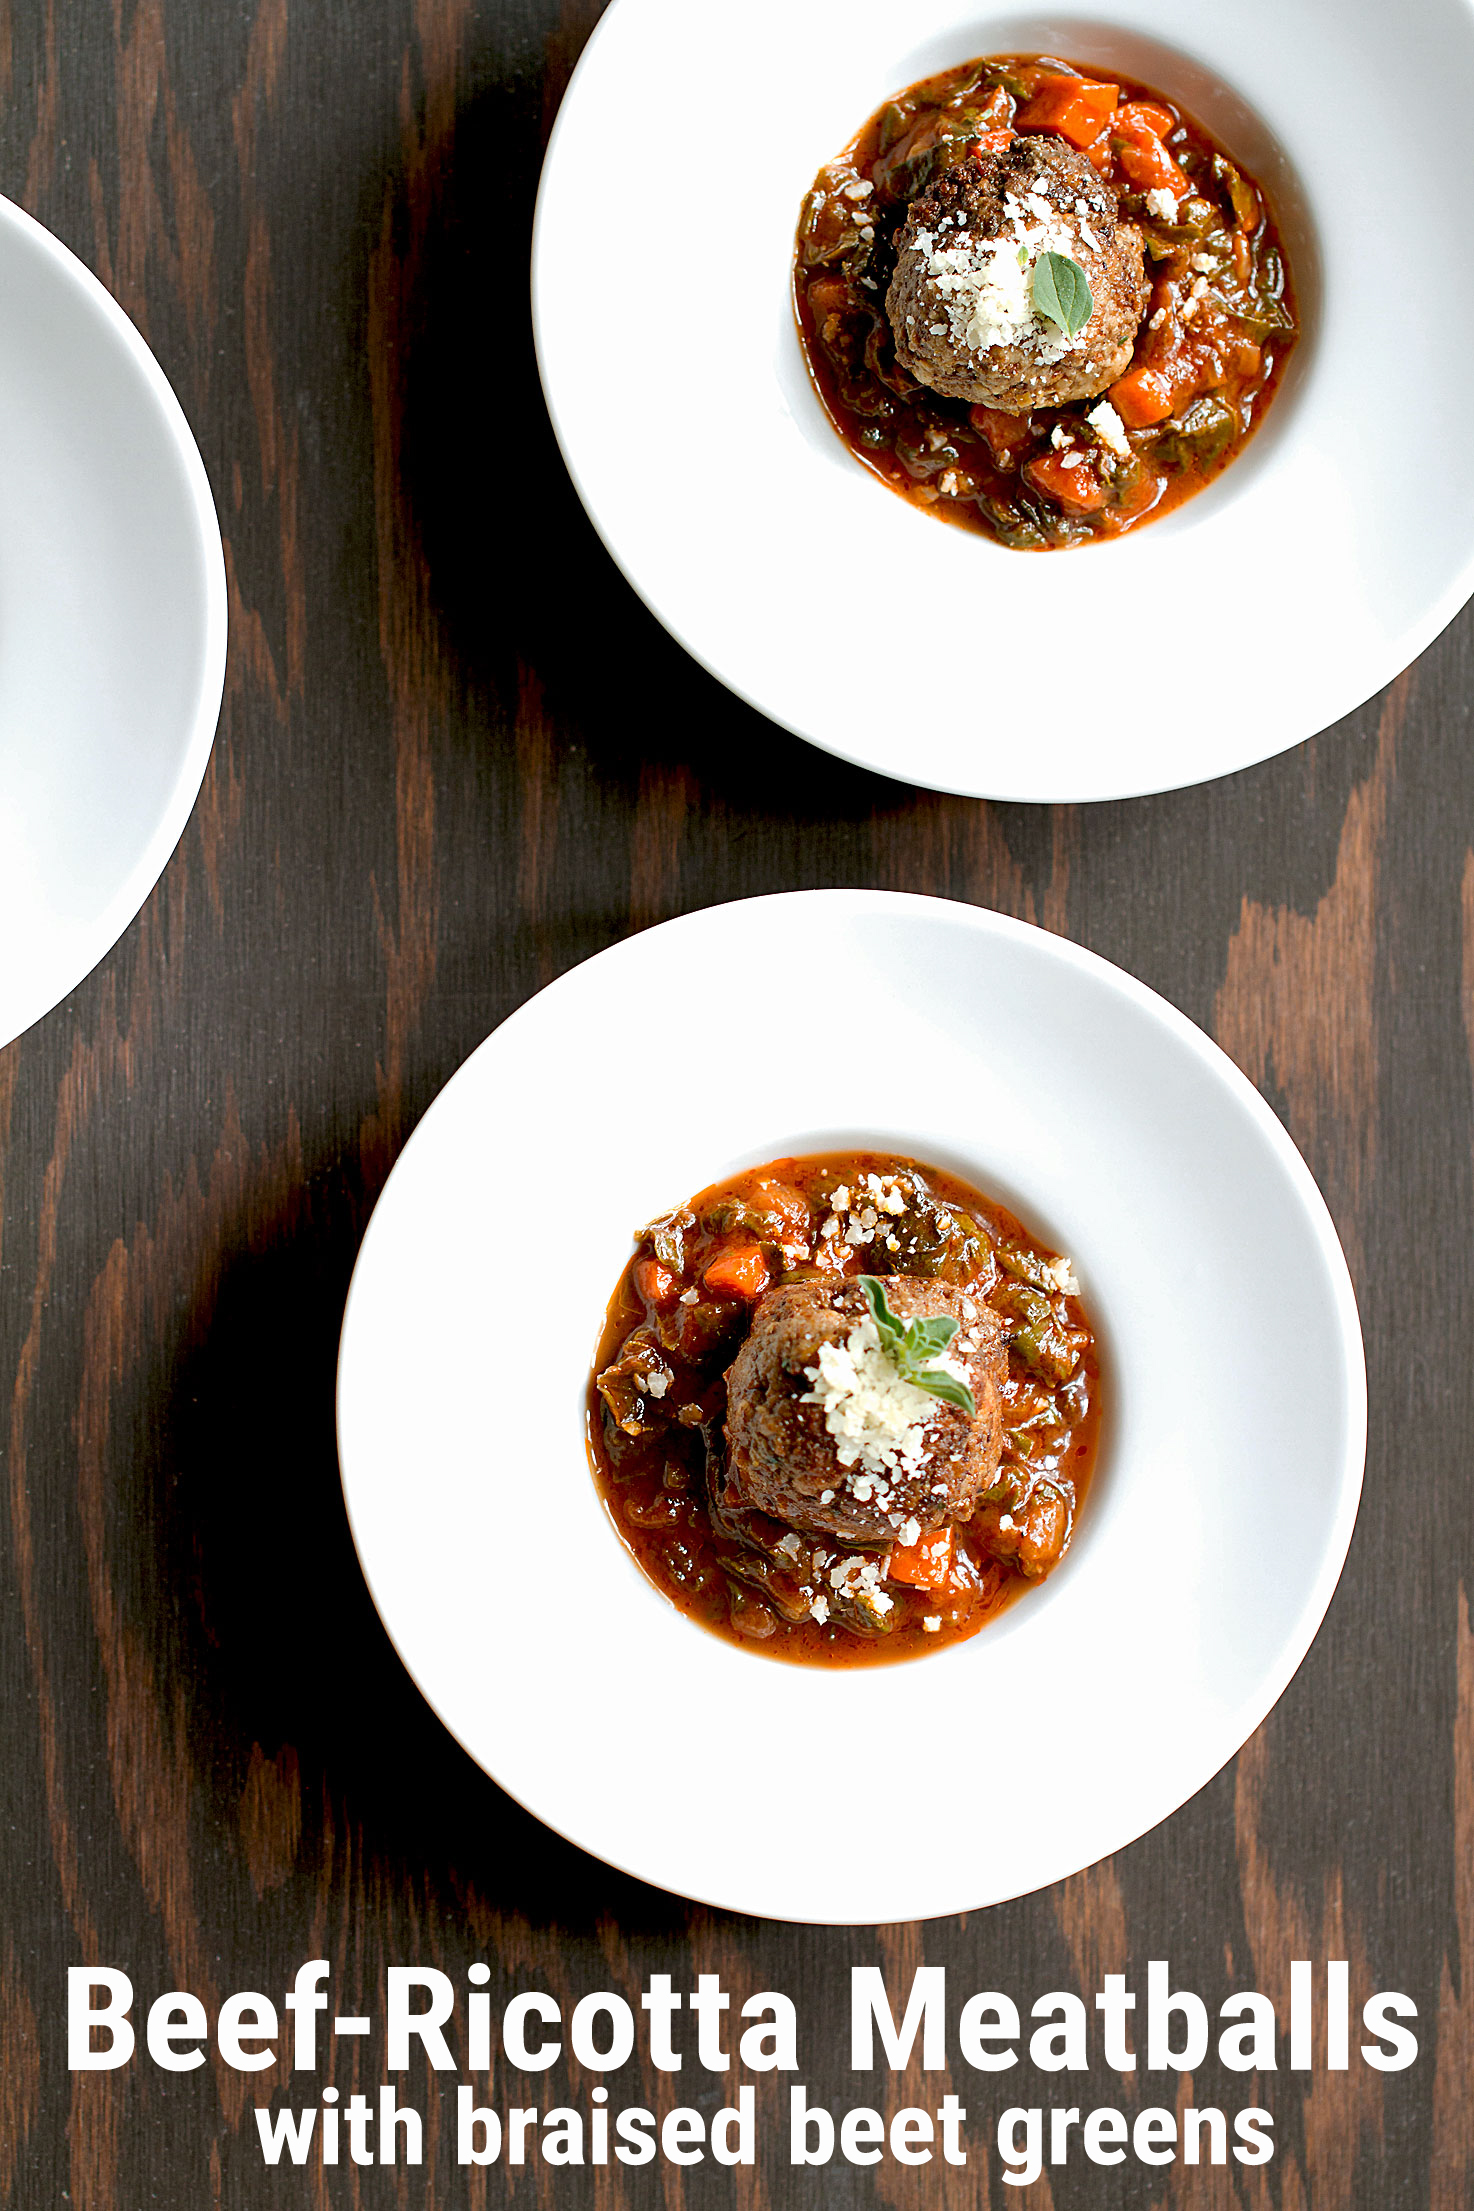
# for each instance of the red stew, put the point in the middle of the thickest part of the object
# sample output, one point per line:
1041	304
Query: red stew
658	1407
1210	348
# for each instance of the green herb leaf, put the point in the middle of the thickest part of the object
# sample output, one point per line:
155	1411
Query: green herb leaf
892	1331
913	1346
925	1338
949	1389
1062	292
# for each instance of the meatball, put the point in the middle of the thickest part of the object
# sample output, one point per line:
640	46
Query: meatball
961	300
783	1456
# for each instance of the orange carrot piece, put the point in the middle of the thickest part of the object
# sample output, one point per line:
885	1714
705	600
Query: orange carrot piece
925	1564
1145	161
1004	433
655	1283
1076	107
740	1271
828	295
1140	397
1161	120
1077	490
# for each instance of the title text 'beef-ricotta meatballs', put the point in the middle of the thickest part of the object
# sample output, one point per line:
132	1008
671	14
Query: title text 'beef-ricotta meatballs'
822	1434
961	302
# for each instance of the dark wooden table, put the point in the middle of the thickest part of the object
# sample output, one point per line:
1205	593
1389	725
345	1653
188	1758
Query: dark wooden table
456	756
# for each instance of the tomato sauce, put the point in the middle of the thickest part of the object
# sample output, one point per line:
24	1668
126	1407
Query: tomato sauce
658	1404
1210	349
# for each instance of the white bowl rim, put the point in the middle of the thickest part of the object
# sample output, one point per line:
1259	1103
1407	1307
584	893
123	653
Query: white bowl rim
133	891
1345	689
1321	1586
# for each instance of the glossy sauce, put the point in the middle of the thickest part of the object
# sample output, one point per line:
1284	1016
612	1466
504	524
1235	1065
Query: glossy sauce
1209	353
732	1576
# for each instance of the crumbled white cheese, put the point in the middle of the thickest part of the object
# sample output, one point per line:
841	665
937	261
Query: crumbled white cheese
854	1577
932	1622
690	1297
877	1420
908	1533
986	285
841	1199
1064	1277
657	1384
1162	202
1109	428
819	1610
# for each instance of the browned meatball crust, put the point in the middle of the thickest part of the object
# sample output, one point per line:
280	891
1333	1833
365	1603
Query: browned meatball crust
781	1458
960	302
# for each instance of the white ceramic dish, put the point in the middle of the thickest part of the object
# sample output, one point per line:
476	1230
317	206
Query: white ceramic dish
1343	538
112	621
1236	1406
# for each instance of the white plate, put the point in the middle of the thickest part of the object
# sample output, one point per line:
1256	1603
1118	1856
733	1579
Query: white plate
112	621
1322	561
1231	1454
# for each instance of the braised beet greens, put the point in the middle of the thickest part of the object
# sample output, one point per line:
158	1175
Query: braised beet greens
1209	352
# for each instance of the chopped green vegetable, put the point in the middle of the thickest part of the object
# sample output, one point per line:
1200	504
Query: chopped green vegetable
1242	197
1025	1266
1061	292
1037	1332
1203	433
913	1345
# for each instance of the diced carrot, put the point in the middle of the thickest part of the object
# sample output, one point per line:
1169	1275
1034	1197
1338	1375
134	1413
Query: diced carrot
1005	434
1141	396
1145	161
925	1564
1077	490
1190	370
1133	504
655	1283
740	1271
990	142
1076	107
1241	257
1158	119
1148	167
829	295
788	1206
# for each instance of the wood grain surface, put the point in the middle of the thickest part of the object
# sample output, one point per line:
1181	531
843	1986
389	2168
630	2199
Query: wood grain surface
456	756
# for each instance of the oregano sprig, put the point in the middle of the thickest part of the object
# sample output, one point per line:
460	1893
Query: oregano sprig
912	1345
1061	292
